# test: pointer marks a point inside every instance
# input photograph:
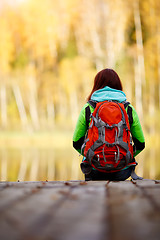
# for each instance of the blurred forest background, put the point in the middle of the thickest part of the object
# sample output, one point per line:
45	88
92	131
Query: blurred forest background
50	52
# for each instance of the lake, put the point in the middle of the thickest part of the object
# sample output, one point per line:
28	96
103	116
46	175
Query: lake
34	164
41	164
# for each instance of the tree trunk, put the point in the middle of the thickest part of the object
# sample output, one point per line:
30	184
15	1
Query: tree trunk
32	102
138	89
158	57
62	104
74	107
139	62
110	48
152	107
50	113
95	39
20	105
3	100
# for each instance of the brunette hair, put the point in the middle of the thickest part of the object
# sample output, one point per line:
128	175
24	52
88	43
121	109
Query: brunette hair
106	77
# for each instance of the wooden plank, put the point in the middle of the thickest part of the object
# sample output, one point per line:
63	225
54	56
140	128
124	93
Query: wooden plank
76	213
144	182
151	190
78	210
47	206
10	196
81	216
13	192
131	214
29	184
22	215
153	194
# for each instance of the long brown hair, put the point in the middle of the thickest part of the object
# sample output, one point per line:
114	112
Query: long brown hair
106	77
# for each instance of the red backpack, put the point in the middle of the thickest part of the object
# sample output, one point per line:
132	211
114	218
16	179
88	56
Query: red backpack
108	144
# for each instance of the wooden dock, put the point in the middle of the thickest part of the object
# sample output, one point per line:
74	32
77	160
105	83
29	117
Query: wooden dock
78	210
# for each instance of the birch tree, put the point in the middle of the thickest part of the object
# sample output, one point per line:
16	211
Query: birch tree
20	105
139	61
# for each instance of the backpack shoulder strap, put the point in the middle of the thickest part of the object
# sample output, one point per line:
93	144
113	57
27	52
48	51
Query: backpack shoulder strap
87	115
88	111
92	103
129	112
125	103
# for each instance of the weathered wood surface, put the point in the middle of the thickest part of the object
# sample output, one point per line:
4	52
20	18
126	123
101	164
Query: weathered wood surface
77	210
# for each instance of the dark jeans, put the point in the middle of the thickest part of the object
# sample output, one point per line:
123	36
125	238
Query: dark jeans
122	175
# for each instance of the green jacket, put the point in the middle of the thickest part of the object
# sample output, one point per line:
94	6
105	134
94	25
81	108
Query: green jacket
101	95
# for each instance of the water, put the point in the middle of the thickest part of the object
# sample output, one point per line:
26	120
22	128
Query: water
149	163
38	164
34	164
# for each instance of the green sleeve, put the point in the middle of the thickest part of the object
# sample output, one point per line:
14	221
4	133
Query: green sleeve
80	129
137	132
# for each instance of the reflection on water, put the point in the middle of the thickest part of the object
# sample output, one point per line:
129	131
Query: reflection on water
149	163
35	164
39	165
